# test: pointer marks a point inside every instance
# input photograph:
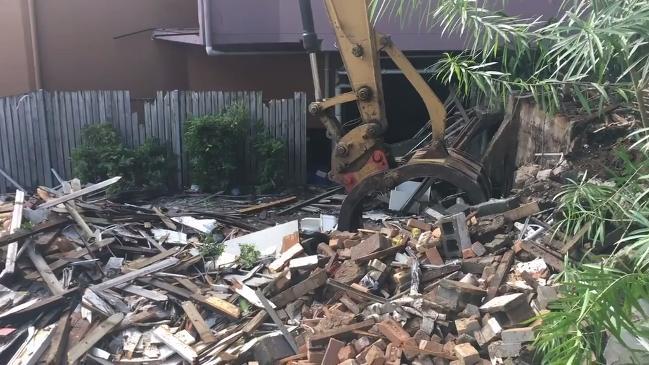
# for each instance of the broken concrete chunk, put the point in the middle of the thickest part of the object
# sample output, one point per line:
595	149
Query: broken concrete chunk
488	333
518	335
510	309
455	235
499	349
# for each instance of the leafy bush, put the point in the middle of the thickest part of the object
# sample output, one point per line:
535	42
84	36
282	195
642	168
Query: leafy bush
210	248
214	144
101	156
249	256
270	156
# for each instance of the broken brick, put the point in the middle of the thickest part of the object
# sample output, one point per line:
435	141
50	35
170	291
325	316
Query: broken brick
467	326
434	257
518	335
374	243
478	249
467	354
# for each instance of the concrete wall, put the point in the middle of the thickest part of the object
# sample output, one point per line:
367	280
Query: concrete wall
16	67
78	50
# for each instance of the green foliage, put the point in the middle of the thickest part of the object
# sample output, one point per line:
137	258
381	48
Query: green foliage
214	144
249	256
271	157
596	301
602	299
595	53
101	156
210	248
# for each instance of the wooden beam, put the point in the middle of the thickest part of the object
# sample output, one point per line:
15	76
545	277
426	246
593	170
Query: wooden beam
22	234
67	257
141	263
502	270
77	194
59	340
185	351
260	207
135	274
94	336
198	322
44	270
16	221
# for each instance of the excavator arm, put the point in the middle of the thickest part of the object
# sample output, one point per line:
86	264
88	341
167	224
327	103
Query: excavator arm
361	161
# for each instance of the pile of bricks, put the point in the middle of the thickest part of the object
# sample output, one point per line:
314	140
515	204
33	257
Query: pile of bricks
461	290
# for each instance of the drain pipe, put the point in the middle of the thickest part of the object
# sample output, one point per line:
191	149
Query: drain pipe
208	41
34	40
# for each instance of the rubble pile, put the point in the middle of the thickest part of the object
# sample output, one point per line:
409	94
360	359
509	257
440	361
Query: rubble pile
88	280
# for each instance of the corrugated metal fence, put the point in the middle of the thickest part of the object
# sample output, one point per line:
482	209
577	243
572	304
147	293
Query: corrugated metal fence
39	130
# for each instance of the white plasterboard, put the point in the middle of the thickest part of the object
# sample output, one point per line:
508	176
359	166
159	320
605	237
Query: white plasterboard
268	241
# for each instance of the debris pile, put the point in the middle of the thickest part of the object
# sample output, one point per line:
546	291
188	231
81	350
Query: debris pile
86	279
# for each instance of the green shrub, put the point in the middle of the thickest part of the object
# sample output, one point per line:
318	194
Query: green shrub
215	147
249	256
271	167
98	158
101	156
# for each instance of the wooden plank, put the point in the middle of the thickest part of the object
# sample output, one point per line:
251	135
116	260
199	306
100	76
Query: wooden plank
342	330
169	262
185	351
501	272
22	234
159	117
76	113
4	146
291	141
260	207
44	132
52	143
278	322
142	292
67	257
17	141
57	145
101	95
317	279
67	120
16	221
198	322
59	341
87	190
94	336
44	270
7	139
144	262
129	128
220	101
38	152
303	136
167	117
22	106
176	136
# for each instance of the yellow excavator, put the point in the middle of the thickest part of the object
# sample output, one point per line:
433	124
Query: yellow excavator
361	161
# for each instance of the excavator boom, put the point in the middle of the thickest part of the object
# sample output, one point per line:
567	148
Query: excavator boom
361	161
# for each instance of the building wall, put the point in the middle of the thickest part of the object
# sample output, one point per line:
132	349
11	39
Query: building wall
78	49
278	76
16	65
